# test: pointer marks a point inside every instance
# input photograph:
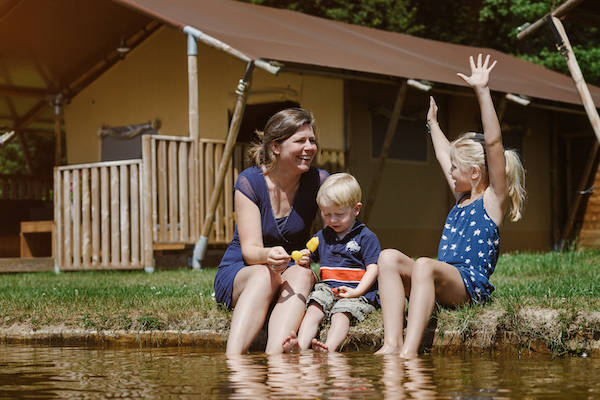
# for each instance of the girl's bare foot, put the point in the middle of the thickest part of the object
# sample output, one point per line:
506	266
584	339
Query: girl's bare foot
318	346
387	349
290	344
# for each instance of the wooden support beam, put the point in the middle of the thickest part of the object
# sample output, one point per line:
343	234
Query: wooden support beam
234	127
23	91
565	47
387	143
558	12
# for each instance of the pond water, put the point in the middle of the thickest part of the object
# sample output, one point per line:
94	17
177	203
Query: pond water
36	372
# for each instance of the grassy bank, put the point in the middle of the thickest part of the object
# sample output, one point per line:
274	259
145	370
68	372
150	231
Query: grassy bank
555	287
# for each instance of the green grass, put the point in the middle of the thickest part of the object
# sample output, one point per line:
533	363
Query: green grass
179	299
182	299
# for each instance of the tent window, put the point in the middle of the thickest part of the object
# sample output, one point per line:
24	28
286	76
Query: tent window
410	140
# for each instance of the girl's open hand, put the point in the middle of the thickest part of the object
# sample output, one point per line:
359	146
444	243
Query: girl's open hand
277	258
432	112
480	73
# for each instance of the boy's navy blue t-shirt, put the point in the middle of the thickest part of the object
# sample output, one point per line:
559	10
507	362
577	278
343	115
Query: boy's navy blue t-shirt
344	261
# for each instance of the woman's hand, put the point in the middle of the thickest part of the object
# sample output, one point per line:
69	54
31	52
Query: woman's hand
345	292
480	73
432	112
277	258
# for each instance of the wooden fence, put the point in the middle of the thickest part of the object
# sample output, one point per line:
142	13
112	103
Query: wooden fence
115	214
97	215
25	187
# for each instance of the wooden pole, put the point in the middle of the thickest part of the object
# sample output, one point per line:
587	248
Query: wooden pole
57	130
387	143
234	127
565	48
558	12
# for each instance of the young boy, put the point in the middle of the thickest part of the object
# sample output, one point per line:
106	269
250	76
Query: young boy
348	253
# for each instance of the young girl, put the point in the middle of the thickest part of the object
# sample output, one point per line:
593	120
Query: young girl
486	181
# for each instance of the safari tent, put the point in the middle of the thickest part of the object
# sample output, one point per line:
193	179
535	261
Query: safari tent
139	96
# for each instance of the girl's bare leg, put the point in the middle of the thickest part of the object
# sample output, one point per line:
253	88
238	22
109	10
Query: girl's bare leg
340	325
253	290
310	325
431	279
290	307
395	270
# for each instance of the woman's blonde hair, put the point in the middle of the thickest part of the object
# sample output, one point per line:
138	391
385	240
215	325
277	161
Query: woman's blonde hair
468	151
279	127
339	190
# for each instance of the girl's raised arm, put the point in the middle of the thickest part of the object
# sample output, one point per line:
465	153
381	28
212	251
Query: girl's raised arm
441	145
478	80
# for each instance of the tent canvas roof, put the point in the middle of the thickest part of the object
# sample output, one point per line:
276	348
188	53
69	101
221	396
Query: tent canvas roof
47	47
288	36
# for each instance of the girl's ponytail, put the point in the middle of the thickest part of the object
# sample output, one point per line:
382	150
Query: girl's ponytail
515	178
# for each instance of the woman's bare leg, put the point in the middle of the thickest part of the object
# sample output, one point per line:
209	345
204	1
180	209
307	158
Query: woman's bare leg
340	325
431	279
394	269
254	288
291	305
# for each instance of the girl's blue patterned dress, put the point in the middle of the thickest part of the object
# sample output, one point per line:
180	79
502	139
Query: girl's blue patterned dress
471	243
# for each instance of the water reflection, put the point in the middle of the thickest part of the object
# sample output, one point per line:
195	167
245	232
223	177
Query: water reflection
29	372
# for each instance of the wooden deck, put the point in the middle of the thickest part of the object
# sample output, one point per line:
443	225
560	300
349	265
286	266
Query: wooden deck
14	265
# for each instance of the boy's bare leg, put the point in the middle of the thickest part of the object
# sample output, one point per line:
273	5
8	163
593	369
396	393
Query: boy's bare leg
394	268
340	325
290	307
317	345
431	279
310	325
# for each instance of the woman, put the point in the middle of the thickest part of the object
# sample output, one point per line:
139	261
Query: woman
275	206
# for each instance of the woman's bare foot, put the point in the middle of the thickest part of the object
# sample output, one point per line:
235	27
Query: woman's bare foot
319	346
408	356
386	349
290	344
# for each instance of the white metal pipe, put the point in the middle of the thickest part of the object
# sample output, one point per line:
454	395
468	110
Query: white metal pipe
216	43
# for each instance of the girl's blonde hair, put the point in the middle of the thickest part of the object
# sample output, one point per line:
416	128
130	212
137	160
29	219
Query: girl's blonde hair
468	151
339	190
279	127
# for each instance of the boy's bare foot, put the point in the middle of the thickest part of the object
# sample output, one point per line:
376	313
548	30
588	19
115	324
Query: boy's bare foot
319	346
290	344
386	349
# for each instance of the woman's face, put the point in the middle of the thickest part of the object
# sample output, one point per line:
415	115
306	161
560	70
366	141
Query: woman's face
298	150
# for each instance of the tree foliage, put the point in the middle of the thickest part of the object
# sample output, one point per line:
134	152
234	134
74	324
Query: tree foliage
483	23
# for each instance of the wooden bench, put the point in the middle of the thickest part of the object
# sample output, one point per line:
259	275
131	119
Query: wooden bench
32	244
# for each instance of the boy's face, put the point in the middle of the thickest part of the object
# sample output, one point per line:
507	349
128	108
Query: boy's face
340	219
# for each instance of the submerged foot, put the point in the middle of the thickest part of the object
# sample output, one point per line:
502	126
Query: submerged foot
319	346
290	344
387	349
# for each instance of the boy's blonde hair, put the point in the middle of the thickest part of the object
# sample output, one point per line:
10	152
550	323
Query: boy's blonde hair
339	190
468	151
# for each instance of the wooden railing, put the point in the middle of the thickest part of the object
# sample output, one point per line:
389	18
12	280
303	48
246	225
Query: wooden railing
115	214
97	209
25	187
170	194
